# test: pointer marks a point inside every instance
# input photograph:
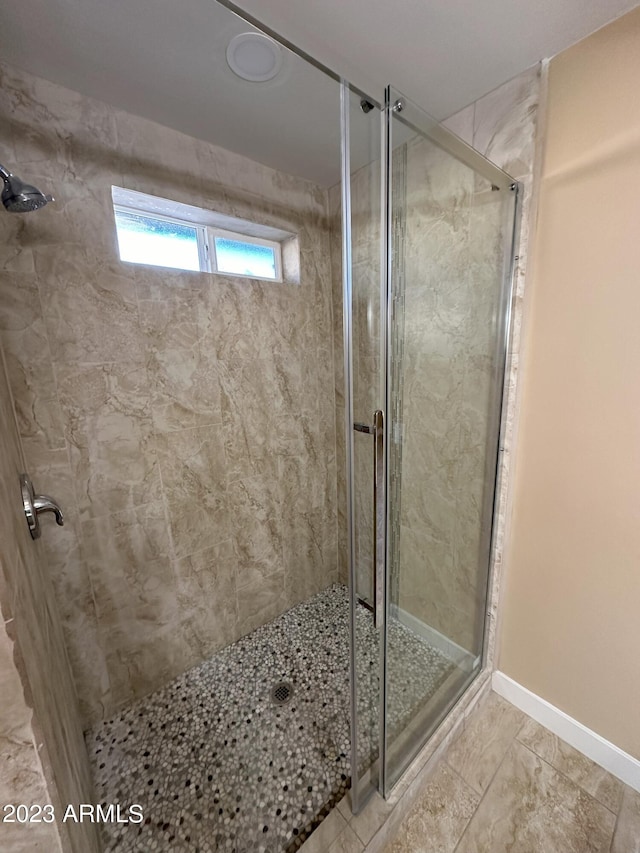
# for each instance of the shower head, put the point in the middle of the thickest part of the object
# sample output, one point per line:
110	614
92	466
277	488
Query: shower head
19	197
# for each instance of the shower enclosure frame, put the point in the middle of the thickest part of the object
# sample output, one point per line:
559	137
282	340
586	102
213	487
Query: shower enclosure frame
376	777
400	108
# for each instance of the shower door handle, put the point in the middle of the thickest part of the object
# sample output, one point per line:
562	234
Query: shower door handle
379	513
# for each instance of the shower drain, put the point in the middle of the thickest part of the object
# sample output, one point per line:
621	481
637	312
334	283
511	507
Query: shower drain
281	693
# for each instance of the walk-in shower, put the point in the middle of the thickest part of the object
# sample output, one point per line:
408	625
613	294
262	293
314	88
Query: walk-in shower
272	425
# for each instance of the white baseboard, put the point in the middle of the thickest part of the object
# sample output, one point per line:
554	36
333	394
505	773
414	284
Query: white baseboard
603	752
461	657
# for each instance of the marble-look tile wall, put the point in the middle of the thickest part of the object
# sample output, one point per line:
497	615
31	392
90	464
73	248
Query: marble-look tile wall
452	235
453	264
185	421
21	775
43	757
365	232
507	126
453	269
334	204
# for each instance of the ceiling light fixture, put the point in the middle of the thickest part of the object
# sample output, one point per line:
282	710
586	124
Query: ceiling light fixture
255	57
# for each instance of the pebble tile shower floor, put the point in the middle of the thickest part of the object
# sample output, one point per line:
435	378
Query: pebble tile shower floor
217	765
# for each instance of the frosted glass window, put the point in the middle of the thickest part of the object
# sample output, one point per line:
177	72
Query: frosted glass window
146	240
164	233
250	259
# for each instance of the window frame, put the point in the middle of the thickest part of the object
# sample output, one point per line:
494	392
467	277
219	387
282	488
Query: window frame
174	220
206	242
213	232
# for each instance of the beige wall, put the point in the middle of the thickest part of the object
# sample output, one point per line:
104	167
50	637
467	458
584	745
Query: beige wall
571	625
42	753
185	421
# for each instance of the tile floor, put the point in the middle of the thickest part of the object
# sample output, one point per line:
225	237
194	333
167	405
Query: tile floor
506	785
217	766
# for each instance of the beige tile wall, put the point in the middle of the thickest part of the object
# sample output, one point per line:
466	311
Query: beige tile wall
335	208
22	778
42	752
507	126
453	237
453	269
451	230
365	249
185	421
366	239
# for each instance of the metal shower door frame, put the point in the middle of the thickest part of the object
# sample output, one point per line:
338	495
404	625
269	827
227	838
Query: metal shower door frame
397	106
365	785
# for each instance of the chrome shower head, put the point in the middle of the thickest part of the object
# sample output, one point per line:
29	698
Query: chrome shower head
19	197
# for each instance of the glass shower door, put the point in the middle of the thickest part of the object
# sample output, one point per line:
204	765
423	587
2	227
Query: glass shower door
450	231
428	244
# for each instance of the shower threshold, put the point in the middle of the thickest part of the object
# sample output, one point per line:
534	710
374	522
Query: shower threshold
250	750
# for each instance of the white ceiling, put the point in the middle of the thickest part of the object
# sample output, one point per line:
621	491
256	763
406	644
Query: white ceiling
443	54
165	60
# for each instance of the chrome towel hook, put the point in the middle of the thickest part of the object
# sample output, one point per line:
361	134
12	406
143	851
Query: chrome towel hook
35	504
